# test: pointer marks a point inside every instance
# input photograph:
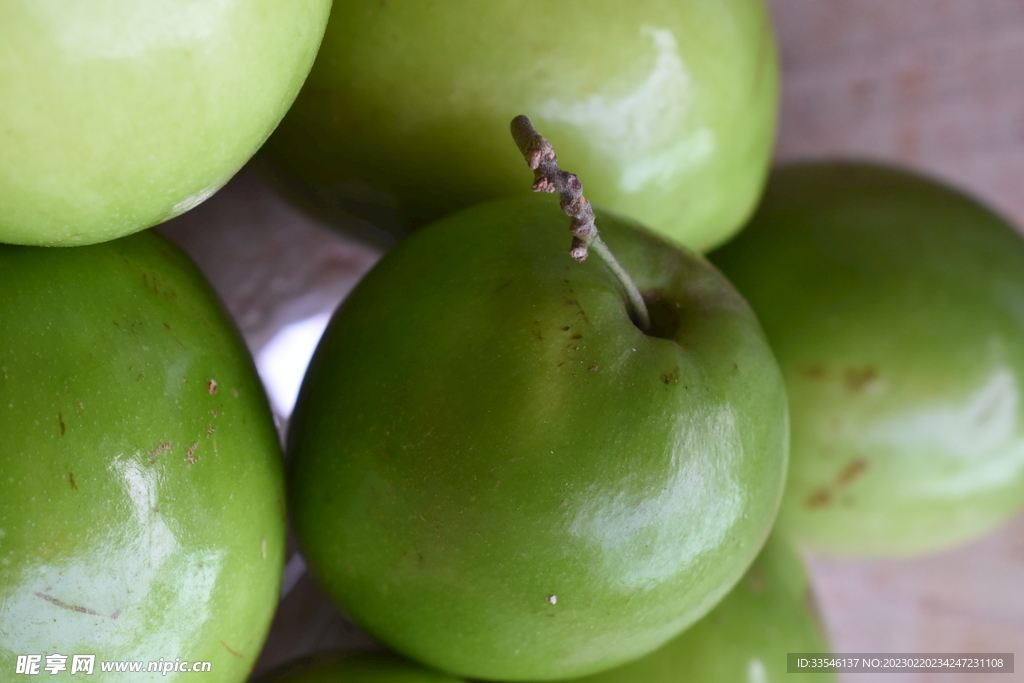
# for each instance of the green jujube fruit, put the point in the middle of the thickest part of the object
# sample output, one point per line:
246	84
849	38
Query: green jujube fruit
895	306
498	474
356	668
666	107
142	513
116	115
746	638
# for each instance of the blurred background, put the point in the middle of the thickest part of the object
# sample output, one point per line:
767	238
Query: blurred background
935	85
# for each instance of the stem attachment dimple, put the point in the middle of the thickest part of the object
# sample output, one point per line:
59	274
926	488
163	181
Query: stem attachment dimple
548	177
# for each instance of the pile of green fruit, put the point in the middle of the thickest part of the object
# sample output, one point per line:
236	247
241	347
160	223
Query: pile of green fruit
506	464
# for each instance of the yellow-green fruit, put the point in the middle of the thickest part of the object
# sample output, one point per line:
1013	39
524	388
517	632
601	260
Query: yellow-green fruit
116	115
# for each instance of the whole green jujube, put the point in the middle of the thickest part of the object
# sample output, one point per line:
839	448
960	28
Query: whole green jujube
117	115
498	474
895	305
142	514
666	107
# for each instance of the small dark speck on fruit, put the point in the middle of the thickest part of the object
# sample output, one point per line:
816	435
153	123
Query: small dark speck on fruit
236	654
854	469
71	480
190	455
671	377
565	329
60	420
818	499
64	605
116	614
812	371
162	448
594	367
211	386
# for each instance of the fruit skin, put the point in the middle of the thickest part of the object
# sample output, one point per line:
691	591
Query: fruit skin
356	668
667	109
769	613
893	304
118	115
497	474
142	513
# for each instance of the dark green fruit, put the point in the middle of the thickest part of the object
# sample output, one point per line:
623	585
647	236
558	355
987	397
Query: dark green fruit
142	515
498	474
746	638
895	306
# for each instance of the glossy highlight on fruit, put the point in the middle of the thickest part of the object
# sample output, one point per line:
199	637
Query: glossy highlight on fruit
770	613
356	668
893	304
142	514
498	474
666	108
118	115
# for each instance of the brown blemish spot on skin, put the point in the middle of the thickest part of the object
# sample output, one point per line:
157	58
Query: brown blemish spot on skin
210	430
190	455
184	378
64	605
576	336
595	367
213	412
236	654
71	480
819	498
116	614
854	469
580	312
60	420
162	448
211	386
813	371
565	329
671	377
860	379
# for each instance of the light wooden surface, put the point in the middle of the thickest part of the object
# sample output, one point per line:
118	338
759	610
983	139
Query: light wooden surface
937	85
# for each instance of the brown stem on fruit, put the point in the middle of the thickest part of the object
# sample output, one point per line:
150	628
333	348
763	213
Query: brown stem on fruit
548	177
